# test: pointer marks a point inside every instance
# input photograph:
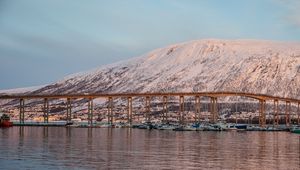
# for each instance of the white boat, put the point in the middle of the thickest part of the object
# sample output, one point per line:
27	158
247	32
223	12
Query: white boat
200	128
231	127
189	128
185	128
215	127
106	125
255	128
166	127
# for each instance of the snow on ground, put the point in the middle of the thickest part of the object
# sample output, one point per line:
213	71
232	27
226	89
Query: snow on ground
20	90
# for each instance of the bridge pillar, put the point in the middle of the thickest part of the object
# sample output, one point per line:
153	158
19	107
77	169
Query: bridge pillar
110	110
260	110
287	113
213	109
298	111
46	110
22	111
90	112
147	108
197	109
181	114
165	109
129	110
216	109
275	114
69	110
262	114
290	112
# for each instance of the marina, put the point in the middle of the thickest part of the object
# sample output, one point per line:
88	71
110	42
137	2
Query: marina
206	126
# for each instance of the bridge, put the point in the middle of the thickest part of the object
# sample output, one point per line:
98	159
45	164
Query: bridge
261	98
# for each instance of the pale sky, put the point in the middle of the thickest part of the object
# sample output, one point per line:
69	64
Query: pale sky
41	41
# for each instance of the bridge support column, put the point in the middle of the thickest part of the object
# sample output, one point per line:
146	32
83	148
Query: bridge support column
165	109
90	112
46	110
110	110
290	112
197	108
213	109
181	105
148	108
287	113
69	110
22	111
216	109
262	113
129	109
298	112
275	114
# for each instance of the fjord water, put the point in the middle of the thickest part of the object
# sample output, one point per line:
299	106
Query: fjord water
101	148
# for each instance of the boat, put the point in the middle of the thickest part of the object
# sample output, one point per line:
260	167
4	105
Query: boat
237	127
142	126
241	126
255	128
146	125
231	127
215	127
200	128
189	128
69	123
121	125
296	130
5	121
178	128
271	129
105	125
166	127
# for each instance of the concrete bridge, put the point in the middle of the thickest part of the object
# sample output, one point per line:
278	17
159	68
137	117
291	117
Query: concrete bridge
261	98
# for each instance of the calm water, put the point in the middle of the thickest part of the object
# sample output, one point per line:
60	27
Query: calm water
81	148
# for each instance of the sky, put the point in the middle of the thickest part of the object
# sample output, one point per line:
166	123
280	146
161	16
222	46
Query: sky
42	41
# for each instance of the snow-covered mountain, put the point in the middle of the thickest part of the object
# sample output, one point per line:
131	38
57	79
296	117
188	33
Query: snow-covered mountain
204	65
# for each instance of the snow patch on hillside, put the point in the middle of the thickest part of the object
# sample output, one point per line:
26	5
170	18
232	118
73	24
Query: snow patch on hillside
20	90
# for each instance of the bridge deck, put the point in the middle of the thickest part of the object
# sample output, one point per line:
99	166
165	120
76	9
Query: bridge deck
156	94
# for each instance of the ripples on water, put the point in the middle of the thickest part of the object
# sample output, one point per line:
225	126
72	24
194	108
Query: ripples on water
82	148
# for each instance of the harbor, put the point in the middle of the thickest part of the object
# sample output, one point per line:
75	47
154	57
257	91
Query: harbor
203	126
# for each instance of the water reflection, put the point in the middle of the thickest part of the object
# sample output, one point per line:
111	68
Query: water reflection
92	148
299	151
21	131
68	132
45	132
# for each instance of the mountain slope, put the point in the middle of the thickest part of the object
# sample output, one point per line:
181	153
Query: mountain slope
204	65
20	90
